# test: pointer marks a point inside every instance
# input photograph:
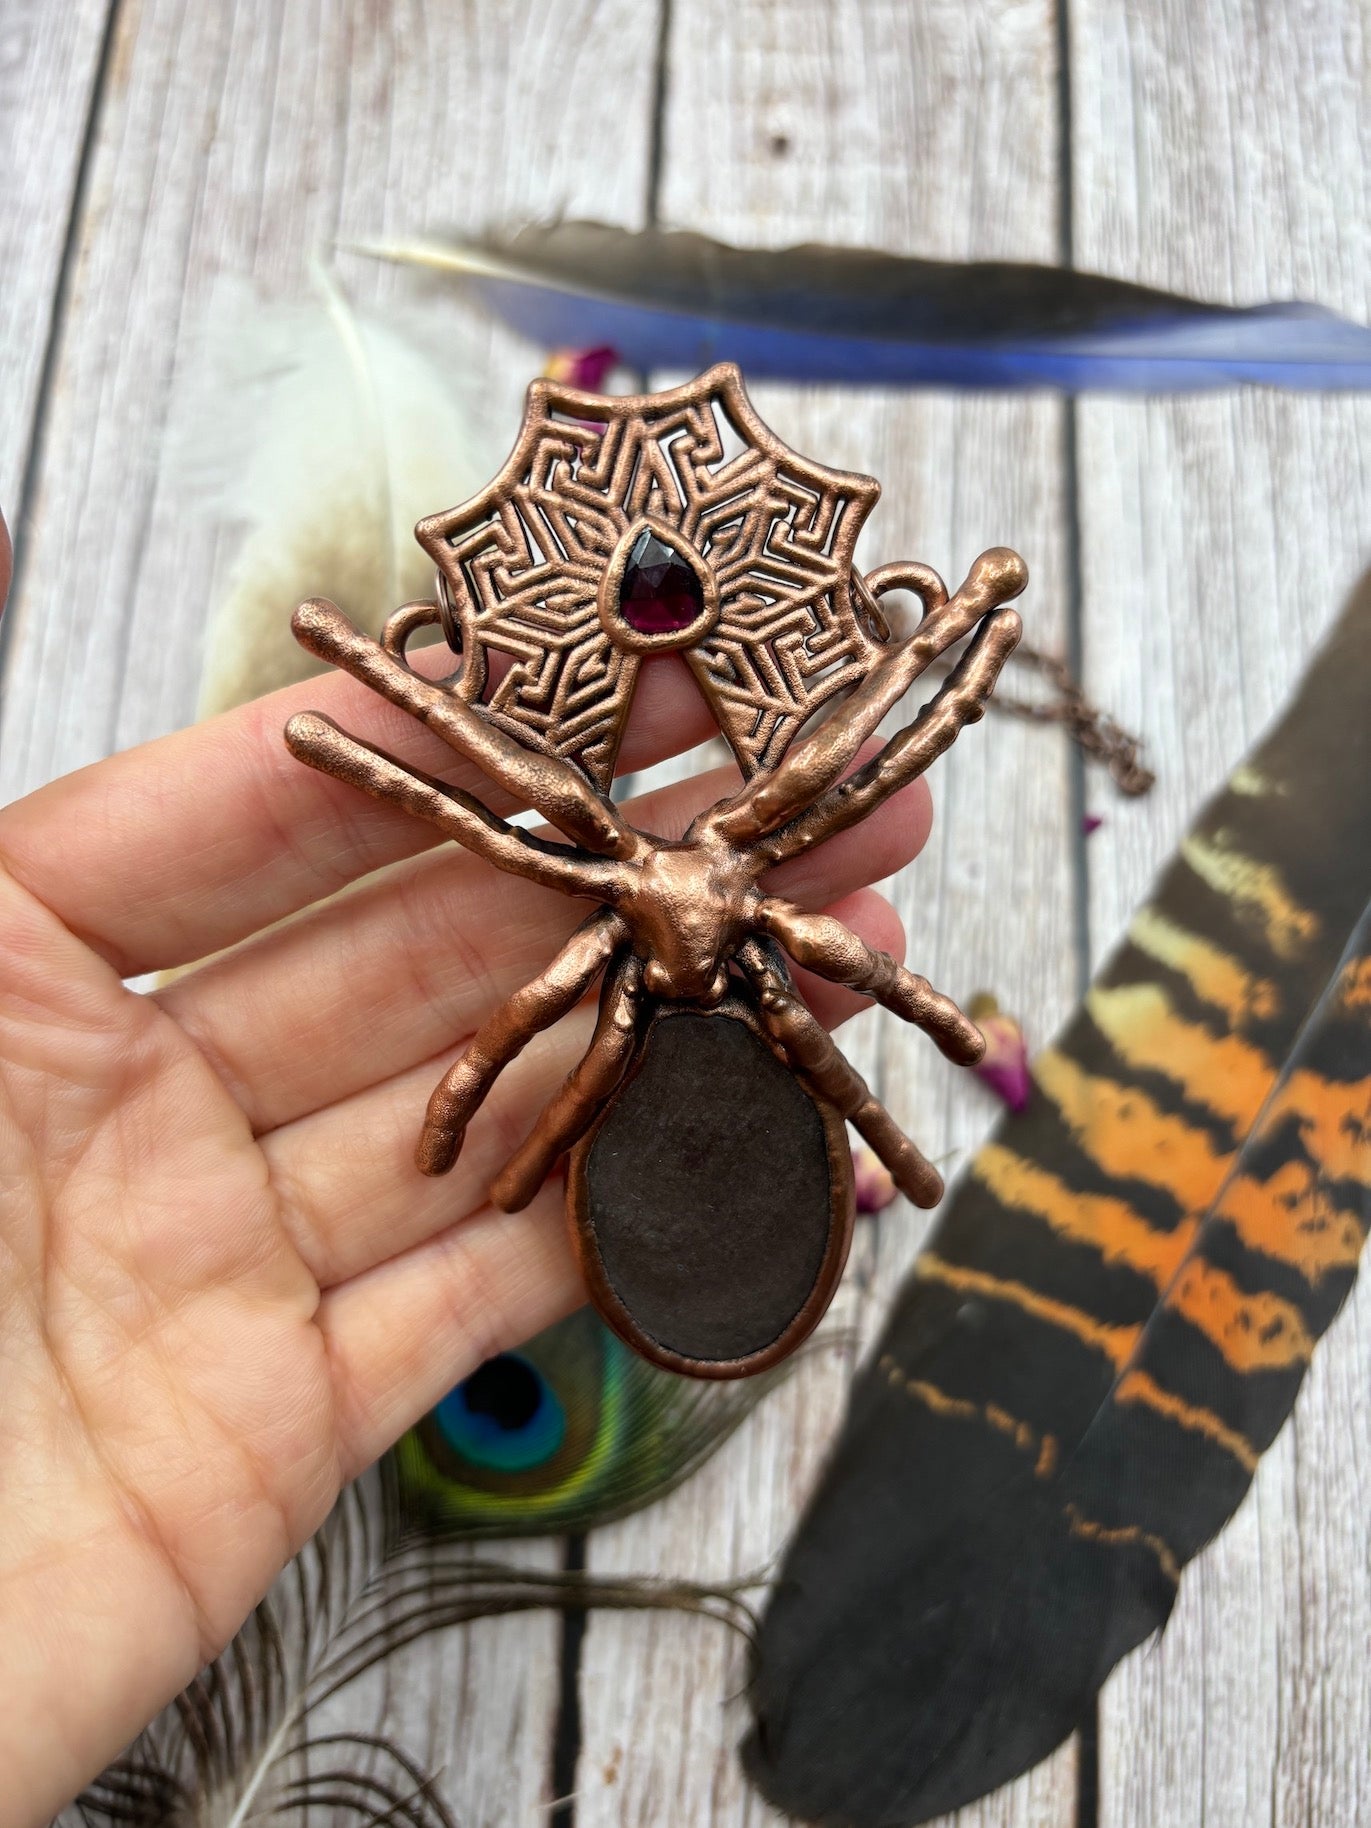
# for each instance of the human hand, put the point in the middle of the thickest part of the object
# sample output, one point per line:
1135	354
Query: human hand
225	1287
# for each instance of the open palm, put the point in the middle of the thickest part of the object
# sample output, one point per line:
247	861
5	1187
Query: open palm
225	1287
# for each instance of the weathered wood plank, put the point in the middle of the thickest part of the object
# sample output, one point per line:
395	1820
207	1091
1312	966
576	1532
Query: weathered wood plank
49	56
1224	149
1220	152
930	130
321	130
238	141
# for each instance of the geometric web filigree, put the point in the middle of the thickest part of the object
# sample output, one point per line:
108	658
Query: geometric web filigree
522	566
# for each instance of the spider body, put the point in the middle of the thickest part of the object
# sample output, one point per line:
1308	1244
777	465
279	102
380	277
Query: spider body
737	1095
741	1242
686	913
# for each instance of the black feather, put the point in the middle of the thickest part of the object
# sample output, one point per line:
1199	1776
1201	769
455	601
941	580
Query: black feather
1113	1319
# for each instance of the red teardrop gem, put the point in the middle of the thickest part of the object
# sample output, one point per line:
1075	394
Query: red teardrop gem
659	593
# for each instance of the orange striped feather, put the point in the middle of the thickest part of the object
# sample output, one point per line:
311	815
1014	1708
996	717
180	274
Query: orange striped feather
1114	1316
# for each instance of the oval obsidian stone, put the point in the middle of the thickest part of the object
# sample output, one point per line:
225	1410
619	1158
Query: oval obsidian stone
708	1190
659	593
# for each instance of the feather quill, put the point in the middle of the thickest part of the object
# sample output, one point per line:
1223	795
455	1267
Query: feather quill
1113	1319
680	301
239	1748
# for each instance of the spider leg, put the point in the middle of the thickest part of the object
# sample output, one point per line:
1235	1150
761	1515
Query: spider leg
832	950
316	740
961	701
770	800
567	1116
552	786
535	1006
808	1047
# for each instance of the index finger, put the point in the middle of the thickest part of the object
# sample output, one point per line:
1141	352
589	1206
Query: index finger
175	849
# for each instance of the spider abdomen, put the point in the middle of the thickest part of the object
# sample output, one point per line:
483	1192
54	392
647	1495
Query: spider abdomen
712	1201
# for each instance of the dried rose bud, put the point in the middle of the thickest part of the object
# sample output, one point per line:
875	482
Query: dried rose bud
1004	1067
585	368
874	1186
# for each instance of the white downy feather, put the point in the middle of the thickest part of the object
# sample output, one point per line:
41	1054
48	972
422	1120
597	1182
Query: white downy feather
325	434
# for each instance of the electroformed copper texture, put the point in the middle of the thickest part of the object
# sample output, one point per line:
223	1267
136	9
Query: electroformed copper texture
535	569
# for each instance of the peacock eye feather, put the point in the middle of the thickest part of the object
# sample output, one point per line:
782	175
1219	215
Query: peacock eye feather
569	1431
505	1416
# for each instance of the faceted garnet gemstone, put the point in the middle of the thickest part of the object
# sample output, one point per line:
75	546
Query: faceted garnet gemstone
659	593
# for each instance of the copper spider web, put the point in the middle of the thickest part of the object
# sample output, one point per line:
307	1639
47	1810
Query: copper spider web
520	566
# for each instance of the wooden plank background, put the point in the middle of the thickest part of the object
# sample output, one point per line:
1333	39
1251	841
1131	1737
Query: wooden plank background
1192	550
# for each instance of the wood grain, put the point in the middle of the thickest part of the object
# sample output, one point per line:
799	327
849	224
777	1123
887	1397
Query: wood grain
1223	149
49	56
240	142
932	131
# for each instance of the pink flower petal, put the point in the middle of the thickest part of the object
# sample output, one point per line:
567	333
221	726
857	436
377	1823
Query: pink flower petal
584	368
1005	1065
874	1187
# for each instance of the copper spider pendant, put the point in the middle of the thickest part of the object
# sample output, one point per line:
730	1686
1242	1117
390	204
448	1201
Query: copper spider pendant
709	1187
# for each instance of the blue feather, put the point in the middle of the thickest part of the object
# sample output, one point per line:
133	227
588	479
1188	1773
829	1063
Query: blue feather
681	302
